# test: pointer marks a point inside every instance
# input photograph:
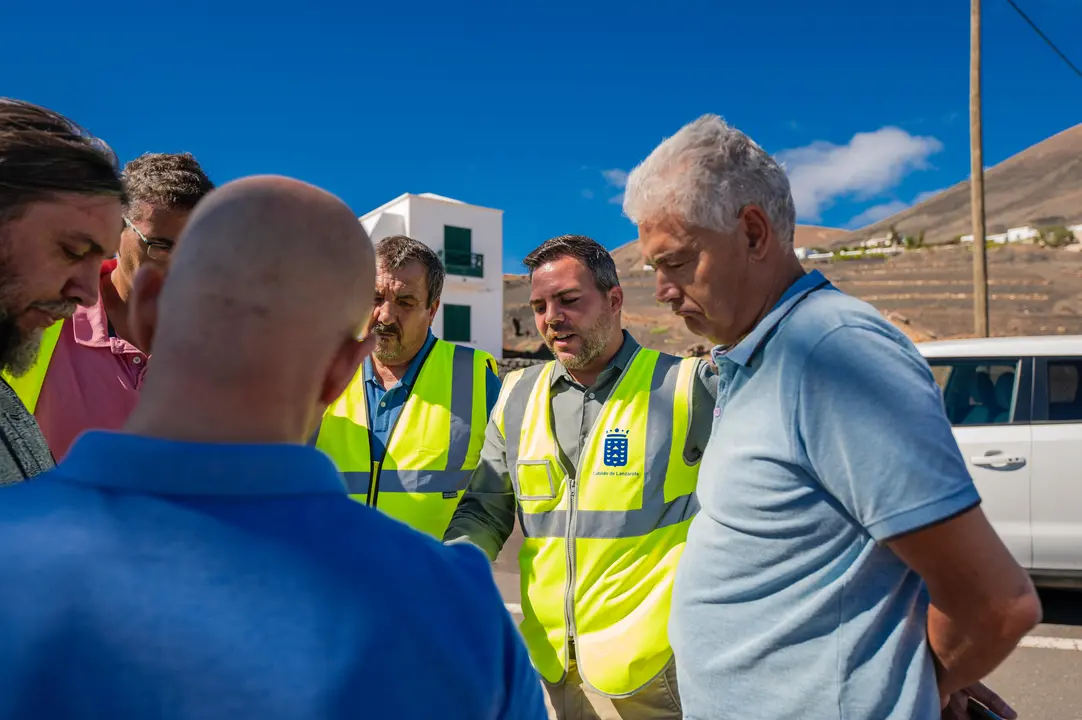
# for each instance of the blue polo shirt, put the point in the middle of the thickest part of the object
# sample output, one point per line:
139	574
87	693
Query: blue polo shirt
146	578
829	438
384	405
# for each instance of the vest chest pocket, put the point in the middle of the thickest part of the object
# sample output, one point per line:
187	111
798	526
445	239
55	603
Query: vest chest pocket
534	481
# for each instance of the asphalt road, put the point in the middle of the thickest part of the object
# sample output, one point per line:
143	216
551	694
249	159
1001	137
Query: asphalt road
1042	680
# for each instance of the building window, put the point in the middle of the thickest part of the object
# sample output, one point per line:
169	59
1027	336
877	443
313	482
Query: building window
457	255
457	242
456	323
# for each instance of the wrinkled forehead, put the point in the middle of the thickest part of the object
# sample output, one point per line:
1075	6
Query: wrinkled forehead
410	279
659	239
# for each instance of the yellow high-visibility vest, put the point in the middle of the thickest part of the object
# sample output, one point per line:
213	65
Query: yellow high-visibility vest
28	387
432	448
601	548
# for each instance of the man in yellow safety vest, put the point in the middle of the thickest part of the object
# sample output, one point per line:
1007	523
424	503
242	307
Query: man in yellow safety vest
599	450
407	432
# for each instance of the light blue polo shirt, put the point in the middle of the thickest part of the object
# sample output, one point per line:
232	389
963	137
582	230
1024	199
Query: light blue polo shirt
147	578
385	404
829	438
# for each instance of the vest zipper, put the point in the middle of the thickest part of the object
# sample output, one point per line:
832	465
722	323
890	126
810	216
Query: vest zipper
374	473
572	507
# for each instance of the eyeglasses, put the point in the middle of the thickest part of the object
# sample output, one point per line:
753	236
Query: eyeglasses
156	249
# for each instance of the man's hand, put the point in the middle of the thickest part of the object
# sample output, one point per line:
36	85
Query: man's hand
957	707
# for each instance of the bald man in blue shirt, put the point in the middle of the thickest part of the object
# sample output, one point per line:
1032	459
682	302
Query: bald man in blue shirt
205	563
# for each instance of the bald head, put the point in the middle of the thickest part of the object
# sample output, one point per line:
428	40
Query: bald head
266	297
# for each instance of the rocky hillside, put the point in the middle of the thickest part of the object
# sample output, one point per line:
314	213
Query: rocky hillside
927	293
1040	186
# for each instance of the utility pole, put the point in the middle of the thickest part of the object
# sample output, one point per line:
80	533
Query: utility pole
976	176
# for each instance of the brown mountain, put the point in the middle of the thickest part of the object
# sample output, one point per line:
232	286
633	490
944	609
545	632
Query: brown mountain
1040	186
652	324
927	293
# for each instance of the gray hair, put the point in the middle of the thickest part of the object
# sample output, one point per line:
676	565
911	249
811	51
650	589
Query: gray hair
705	175
587	250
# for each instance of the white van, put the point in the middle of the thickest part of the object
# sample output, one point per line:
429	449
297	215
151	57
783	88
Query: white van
1016	407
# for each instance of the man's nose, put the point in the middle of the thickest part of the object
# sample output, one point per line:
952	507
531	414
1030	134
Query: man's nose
82	287
665	291
553	316
384	314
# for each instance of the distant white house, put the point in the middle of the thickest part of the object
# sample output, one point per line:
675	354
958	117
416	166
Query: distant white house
469	241
878	242
1013	235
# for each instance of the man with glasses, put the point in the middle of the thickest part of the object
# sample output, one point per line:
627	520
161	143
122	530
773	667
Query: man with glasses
90	369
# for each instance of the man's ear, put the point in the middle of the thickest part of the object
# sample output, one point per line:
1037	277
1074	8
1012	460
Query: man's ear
616	298
432	311
143	306
344	367
757	230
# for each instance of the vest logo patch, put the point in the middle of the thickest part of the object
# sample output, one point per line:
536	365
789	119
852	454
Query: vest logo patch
615	451
450	495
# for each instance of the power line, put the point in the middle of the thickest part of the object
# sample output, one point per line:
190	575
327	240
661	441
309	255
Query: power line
1045	38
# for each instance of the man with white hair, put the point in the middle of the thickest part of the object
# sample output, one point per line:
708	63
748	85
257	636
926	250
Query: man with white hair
840	566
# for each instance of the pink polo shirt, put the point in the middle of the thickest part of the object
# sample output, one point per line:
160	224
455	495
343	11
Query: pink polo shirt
93	380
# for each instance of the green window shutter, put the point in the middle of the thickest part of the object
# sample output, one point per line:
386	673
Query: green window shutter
456	323
458	243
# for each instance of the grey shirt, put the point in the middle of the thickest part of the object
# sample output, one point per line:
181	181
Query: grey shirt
23	450
486	514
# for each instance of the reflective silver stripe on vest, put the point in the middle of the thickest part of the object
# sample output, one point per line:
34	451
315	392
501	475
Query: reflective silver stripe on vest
423	481
610	524
357	482
461	410
431	481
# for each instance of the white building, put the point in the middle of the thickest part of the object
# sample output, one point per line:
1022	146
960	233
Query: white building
469	241
1013	235
877	242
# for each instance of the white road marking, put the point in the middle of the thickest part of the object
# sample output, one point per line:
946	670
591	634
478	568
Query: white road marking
1051	643
1030	641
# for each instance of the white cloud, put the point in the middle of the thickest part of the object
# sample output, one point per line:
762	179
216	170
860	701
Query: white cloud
588	194
876	213
615	177
882	211
867	165
926	195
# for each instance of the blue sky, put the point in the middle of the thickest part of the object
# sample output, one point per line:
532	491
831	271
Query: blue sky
537	109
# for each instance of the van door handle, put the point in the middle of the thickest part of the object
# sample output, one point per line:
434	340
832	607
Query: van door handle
994	460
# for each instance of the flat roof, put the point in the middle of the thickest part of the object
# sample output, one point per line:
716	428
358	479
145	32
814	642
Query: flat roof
432	197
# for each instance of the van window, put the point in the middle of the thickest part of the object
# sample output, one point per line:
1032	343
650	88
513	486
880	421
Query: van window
978	392
1065	390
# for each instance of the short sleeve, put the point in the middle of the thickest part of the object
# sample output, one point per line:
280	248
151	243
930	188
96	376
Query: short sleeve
871	425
